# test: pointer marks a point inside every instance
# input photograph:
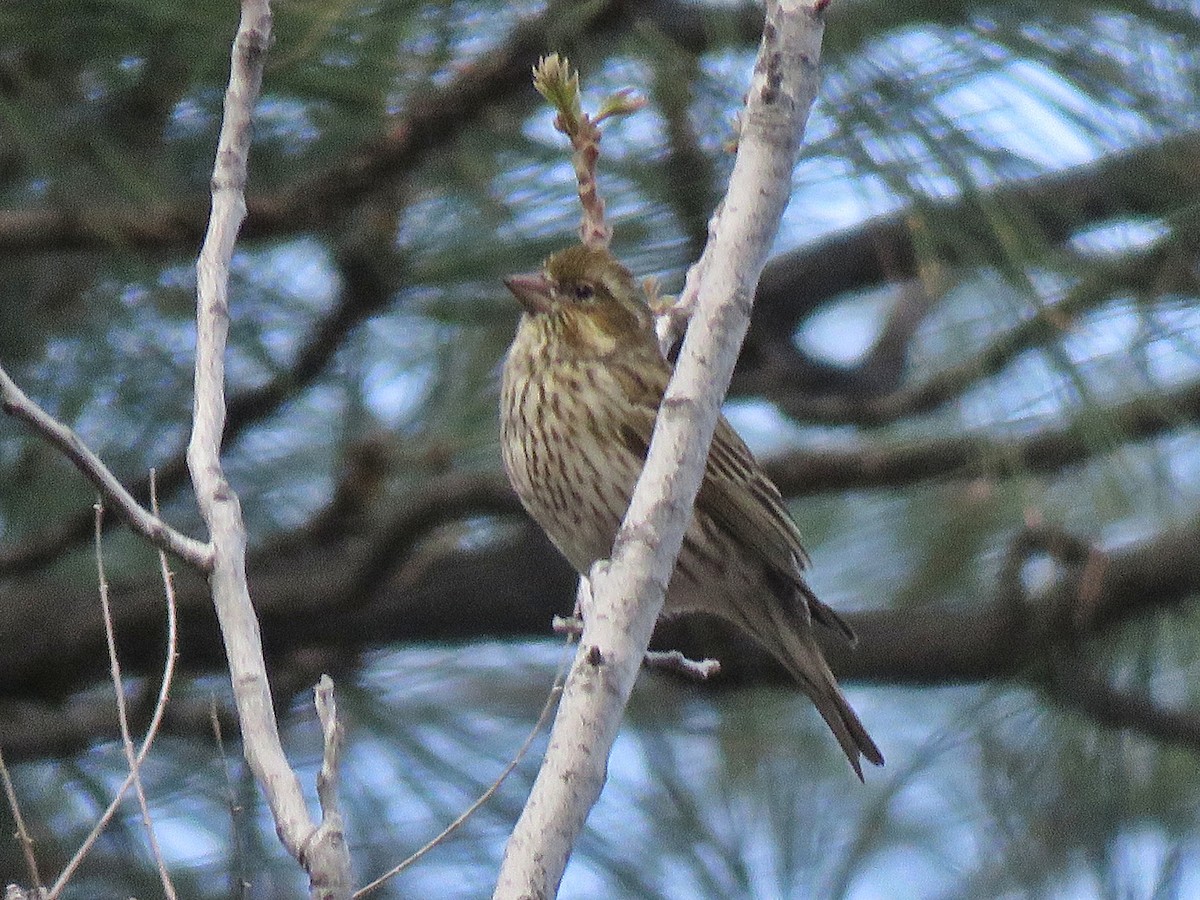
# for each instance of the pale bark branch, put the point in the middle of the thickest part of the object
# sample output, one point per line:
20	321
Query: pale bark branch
123	713
628	592
322	851
15	403
329	839
156	719
22	833
364	290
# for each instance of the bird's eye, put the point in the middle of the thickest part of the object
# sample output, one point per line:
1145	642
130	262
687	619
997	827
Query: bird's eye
584	292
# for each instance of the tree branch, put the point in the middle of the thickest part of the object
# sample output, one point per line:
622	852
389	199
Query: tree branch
628	592
428	123
869	394
1077	685
378	591
1004	636
1091	434
321	851
882	250
364	290
15	403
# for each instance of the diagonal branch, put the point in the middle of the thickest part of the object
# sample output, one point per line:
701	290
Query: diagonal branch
15	403
365	289
1075	684
628	592
852	395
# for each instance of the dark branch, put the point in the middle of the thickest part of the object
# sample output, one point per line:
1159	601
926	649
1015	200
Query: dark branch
883	251
428	123
513	587
1076	685
1092	434
869	394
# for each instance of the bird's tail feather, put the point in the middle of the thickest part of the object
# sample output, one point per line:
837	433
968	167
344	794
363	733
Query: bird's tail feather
794	645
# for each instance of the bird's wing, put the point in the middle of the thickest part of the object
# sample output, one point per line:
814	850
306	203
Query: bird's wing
737	494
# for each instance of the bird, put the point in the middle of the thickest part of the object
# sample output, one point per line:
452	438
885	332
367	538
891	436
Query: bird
580	389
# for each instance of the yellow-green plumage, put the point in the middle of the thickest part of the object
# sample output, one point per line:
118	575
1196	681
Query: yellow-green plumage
580	392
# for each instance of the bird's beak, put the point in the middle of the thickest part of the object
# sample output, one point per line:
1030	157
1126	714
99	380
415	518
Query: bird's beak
533	291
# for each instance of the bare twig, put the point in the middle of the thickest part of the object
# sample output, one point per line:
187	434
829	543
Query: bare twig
122	711
570	626
14	402
542	719
676	663
672	319
331	832
168	581
322	854
237	865
23	836
628	593
160	708
662	660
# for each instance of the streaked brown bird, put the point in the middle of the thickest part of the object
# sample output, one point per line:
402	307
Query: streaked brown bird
580	391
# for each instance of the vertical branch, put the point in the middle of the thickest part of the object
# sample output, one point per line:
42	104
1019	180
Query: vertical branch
330	834
628	591
557	82
22	835
114	665
322	854
160	709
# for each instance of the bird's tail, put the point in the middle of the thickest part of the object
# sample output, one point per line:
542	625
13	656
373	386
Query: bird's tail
792	642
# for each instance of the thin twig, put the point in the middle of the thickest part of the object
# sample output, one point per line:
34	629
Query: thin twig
122	711
160	708
236	825
168	581
331	831
671	661
542	719
677	664
14	402
23	836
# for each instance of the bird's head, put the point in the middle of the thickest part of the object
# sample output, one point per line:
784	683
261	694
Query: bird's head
588	292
